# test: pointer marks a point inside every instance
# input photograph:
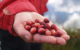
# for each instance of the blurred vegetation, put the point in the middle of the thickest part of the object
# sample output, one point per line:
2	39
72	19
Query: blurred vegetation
72	44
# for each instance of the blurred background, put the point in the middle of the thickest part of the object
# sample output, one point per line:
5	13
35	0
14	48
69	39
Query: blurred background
66	14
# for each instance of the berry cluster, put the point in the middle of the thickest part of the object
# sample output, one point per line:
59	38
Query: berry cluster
42	28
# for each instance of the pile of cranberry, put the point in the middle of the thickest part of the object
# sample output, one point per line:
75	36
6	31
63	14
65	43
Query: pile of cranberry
42	28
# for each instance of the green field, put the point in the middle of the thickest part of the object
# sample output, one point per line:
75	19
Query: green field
72	44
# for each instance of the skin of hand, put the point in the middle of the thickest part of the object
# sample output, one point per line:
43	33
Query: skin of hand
19	23
21	19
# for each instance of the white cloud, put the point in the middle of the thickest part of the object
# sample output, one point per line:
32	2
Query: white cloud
55	2
52	17
69	5
70	8
51	5
73	21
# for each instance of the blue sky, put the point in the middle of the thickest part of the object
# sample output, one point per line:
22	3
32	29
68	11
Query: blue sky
64	12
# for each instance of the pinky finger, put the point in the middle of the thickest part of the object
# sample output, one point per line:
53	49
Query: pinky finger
66	37
60	41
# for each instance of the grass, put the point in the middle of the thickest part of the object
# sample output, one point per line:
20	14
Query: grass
72	44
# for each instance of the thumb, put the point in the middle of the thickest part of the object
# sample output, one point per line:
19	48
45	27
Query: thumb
22	32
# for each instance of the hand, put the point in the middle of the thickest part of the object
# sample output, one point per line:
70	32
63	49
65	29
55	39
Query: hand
19	23
52	39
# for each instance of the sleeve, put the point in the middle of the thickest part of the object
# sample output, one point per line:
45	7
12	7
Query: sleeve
21	5
6	21
6	24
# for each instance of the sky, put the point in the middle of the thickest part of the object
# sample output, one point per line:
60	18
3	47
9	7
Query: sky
64	12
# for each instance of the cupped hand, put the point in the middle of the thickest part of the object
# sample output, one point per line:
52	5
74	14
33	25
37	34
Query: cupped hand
20	21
